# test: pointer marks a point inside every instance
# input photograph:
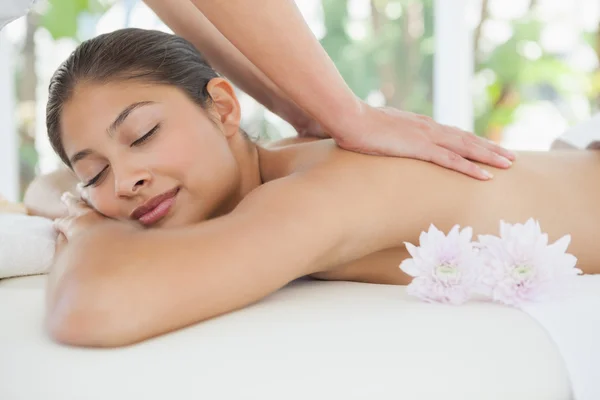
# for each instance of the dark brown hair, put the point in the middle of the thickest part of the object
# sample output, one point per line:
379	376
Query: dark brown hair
127	54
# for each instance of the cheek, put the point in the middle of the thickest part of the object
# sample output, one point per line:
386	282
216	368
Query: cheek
204	164
104	201
202	153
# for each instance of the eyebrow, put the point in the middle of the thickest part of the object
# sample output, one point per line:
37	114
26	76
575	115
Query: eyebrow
80	155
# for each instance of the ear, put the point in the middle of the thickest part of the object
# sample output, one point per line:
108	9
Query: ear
225	105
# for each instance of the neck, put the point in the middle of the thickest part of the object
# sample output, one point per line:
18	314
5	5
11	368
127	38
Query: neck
249	163
247	157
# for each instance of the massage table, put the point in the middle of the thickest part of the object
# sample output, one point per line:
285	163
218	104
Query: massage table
310	340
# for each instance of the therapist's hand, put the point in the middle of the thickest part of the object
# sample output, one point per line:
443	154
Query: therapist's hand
392	132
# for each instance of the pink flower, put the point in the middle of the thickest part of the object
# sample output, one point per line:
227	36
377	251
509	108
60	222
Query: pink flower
444	267
521	266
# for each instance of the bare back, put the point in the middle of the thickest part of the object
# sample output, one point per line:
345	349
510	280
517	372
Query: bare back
401	197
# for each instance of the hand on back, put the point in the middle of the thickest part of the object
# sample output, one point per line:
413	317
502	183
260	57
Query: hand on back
391	132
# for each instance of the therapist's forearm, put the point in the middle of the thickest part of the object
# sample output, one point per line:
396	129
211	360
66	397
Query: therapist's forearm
188	22
273	35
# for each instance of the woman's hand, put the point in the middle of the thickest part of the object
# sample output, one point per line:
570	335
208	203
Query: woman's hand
88	244
81	217
391	132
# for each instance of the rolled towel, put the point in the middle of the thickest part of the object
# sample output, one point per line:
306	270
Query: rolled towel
27	245
10	207
583	136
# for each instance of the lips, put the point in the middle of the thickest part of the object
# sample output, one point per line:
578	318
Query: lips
156	208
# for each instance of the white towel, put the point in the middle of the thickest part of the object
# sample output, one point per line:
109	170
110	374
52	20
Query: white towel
27	245
573	323
585	135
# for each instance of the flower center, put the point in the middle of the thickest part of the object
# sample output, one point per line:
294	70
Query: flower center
447	272
522	272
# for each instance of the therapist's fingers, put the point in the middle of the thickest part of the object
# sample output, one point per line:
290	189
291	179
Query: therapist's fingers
471	150
485	143
494	147
470	147
451	160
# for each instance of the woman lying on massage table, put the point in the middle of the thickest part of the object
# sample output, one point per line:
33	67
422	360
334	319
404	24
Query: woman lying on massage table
191	219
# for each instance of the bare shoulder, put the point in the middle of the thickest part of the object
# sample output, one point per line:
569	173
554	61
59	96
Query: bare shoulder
322	172
321	184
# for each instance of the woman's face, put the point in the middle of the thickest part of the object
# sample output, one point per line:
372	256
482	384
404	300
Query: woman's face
146	152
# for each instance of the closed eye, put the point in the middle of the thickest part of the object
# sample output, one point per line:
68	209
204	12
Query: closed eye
146	136
95	179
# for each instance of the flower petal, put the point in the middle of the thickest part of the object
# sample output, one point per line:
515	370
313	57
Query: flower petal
409	267
561	244
412	249
454	231
466	234
424	239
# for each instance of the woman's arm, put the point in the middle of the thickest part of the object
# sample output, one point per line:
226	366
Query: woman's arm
188	22
114	285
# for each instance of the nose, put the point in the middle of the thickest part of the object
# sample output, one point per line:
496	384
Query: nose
130	182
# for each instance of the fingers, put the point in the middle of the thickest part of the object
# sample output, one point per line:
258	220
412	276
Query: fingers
83	193
474	148
495	155
493	147
75	205
449	159
63	226
468	147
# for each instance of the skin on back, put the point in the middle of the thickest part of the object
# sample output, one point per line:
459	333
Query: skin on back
558	188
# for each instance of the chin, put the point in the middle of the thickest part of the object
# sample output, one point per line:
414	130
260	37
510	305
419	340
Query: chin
182	220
